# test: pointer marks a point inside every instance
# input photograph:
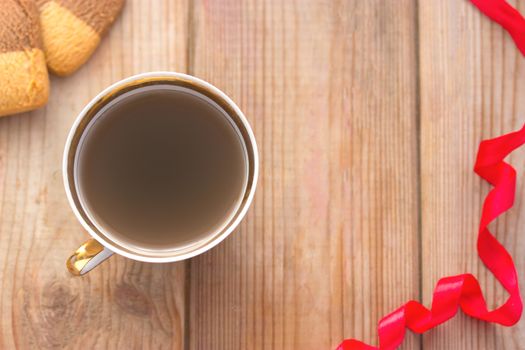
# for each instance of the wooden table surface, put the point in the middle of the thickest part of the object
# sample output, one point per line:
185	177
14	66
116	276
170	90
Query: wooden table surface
368	115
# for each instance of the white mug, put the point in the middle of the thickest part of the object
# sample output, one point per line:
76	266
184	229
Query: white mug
103	245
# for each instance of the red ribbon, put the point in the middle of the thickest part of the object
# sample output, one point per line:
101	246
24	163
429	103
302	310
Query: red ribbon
507	16
463	291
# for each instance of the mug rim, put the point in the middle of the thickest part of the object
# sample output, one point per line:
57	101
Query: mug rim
205	245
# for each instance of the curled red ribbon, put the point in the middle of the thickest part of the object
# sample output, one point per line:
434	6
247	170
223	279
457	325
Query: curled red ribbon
507	16
463	291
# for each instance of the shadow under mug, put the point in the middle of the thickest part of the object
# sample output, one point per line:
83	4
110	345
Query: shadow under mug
101	246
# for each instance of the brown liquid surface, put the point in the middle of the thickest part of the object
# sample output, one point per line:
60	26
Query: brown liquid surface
161	169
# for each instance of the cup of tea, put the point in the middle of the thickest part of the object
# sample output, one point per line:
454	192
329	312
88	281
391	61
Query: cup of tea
158	167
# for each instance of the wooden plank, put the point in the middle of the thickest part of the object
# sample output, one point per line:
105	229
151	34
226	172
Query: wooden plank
122	304
472	81
331	242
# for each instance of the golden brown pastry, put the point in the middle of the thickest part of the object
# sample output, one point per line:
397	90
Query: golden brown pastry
71	30
24	83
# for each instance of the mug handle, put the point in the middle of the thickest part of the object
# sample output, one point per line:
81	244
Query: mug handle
87	256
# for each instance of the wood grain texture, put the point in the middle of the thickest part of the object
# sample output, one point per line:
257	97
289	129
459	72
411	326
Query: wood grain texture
122	304
366	197
331	242
472	85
